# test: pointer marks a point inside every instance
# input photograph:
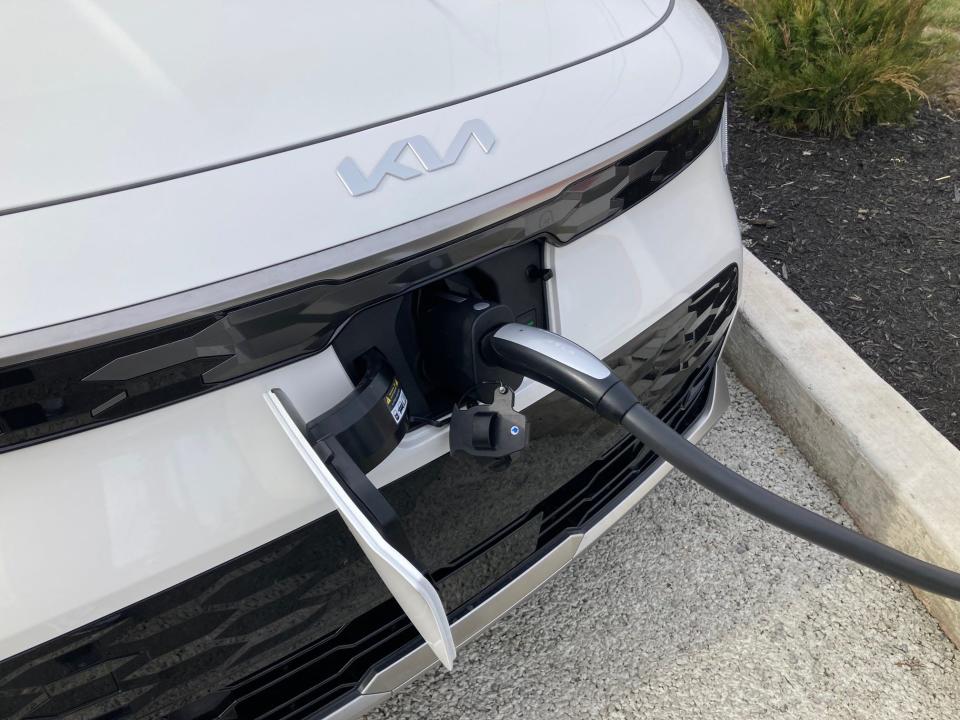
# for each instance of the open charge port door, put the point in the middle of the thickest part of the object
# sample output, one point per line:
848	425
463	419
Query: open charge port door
383	349
371	521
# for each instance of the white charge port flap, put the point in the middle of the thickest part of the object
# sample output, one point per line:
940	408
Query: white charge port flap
415	594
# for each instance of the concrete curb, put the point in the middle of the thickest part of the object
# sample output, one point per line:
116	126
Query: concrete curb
895	474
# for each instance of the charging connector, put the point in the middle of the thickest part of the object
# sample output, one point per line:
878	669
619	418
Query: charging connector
454	327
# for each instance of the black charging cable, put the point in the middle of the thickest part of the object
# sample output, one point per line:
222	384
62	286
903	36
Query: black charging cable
793	518
565	366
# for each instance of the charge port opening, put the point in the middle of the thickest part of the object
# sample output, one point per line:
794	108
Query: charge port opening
514	277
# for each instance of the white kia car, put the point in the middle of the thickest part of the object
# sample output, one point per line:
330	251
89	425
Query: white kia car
234	235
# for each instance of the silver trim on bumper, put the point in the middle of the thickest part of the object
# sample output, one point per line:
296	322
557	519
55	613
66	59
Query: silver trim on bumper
474	622
421	659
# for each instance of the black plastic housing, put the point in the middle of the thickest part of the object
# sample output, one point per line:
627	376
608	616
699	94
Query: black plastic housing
492	430
371	421
452	332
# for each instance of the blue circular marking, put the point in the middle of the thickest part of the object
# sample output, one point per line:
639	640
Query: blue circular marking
514	430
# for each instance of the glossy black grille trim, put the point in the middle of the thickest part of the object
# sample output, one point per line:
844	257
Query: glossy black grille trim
295	627
61	394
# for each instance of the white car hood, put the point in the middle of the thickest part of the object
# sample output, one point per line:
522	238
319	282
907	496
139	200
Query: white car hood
101	94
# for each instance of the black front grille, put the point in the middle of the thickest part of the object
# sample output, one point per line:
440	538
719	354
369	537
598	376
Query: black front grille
327	672
293	627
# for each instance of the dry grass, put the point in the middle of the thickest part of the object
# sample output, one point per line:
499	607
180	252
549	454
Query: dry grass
835	66
946	18
946	13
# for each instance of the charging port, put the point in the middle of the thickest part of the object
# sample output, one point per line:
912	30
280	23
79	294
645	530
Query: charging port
404	329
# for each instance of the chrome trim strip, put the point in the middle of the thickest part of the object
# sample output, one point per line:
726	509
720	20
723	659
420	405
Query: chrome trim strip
558	349
354	257
355	708
314	141
419	660
412	591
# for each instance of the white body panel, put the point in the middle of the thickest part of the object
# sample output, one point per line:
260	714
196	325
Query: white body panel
102	93
93	522
171	236
116	93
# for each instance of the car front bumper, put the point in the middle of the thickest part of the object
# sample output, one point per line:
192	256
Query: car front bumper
208	575
302	626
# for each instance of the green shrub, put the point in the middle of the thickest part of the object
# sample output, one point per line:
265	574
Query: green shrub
833	66
946	13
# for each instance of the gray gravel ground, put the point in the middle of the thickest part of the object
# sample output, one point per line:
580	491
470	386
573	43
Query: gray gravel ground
689	608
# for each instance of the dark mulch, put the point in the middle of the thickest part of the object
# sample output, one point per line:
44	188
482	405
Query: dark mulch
867	232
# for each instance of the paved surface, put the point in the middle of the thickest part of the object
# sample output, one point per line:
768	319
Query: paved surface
690	609
895	474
